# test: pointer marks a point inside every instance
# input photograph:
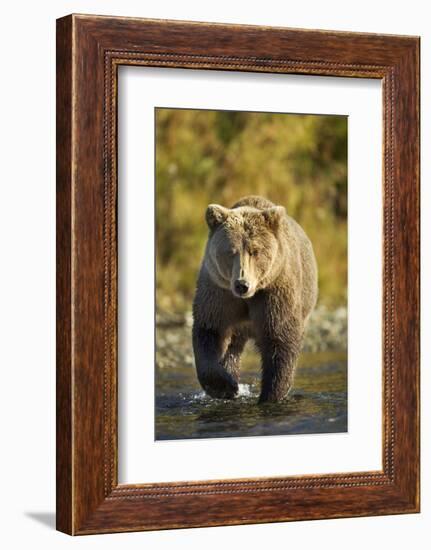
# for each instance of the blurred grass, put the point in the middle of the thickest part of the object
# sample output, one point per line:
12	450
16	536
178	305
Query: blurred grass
202	157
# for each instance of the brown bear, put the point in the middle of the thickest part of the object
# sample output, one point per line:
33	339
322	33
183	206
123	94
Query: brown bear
258	280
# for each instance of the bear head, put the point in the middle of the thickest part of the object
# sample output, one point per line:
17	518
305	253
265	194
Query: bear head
243	249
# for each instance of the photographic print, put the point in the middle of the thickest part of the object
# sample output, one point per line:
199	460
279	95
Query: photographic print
251	274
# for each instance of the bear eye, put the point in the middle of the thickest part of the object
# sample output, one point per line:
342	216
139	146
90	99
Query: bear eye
254	253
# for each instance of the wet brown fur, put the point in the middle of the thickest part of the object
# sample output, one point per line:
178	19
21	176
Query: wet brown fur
257	241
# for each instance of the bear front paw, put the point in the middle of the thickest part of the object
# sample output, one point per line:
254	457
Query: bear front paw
221	387
275	395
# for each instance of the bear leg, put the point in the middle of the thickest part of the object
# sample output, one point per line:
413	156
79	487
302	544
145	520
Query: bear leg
279	358
218	372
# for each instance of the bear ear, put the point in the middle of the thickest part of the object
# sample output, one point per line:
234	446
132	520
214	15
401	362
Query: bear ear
273	216
216	215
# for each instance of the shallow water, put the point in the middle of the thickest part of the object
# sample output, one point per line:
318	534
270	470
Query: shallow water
316	404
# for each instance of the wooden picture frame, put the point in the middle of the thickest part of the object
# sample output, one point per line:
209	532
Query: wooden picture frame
89	51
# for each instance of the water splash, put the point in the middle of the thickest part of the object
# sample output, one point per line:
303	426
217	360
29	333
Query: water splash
244	390
196	397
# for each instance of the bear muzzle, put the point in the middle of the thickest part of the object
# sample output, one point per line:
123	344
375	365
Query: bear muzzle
241	288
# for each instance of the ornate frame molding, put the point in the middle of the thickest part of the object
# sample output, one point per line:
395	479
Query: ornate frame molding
90	49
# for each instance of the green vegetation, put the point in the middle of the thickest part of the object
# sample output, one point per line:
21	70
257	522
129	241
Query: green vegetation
202	157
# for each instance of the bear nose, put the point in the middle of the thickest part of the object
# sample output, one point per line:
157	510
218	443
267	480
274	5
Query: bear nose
241	286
